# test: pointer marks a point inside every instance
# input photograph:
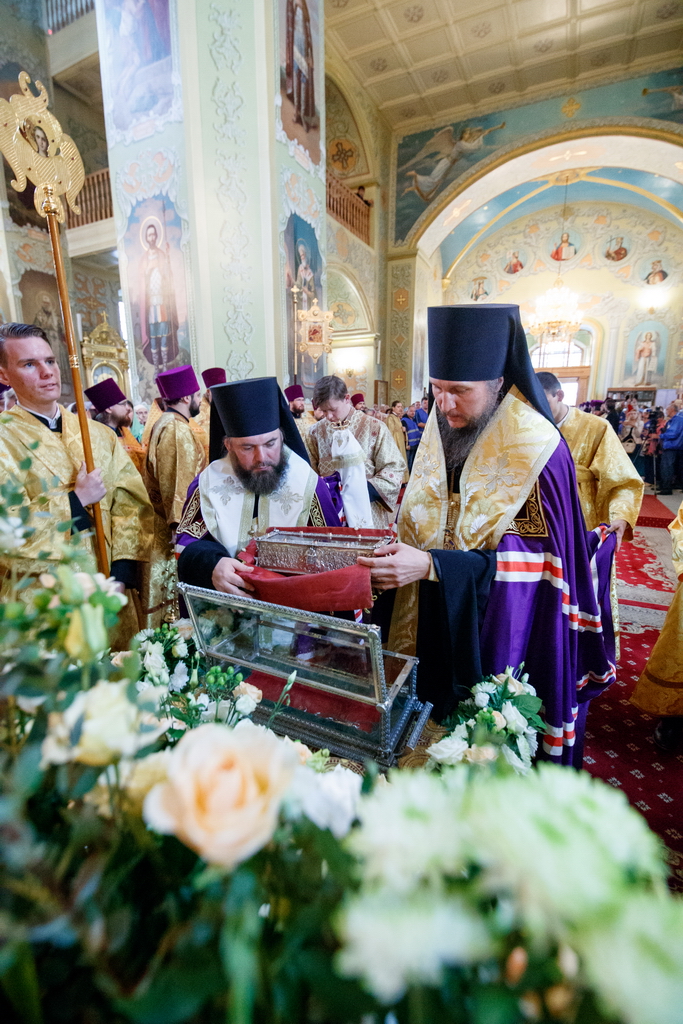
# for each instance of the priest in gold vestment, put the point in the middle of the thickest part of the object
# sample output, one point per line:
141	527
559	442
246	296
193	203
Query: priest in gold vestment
610	488
116	412
175	455
382	461
297	406
659	691
28	363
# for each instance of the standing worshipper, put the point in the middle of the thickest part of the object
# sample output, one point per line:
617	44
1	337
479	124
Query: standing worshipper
671	462
116	412
413	434
376	451
398	432
358	401
214	375
422	414
258	477
495	564
175	456
297	406
28	364
610	489
659	691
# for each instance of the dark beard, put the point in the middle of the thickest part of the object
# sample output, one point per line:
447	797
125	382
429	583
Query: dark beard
194	407
297	413
262	482
458	442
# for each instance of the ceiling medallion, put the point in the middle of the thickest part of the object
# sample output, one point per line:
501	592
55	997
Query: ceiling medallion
495	88
439	76
414	13
379	64
557	317
481	29
598	60
571	107
543	45
667	10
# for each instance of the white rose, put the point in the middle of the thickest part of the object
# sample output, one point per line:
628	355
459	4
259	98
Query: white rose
154	661
449	750
516	722
302	751
223	791
328	799
11	533
184	627
481	699
245	705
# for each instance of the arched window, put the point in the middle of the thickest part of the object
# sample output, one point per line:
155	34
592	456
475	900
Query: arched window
557	352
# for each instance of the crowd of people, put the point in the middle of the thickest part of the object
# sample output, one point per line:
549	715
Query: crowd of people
505	534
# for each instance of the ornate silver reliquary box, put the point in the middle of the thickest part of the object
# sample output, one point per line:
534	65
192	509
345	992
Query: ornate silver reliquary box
316	549
350	695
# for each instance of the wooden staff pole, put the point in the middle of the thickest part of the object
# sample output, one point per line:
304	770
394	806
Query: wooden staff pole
51	211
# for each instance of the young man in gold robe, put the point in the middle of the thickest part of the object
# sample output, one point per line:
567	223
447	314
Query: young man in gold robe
383	463
398	432
175	455
28	364
610	489
659	691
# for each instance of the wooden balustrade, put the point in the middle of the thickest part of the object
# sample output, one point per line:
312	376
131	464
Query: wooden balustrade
94	200
61	13
348	208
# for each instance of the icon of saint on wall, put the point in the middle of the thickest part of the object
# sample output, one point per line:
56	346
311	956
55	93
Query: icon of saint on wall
160	337
645	357
305	277
514	264
478	289
616	250
657	274
565	250
299	77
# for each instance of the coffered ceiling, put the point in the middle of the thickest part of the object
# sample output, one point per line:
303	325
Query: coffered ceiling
431	61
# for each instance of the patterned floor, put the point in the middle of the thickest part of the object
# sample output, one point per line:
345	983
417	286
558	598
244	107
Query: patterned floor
619	744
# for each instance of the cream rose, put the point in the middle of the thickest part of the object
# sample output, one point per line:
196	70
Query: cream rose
247	690
480	755
224	791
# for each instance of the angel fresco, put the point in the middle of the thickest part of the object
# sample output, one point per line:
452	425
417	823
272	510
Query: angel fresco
447	150
645	356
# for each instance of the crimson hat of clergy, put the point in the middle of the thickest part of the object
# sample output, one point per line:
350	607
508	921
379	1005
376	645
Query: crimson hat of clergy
105	394
357	398
214	375
177	383
483	342
248	408
293	392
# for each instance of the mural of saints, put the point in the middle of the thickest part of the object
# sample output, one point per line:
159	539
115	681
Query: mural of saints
616	252
448	150
50	321
565	250
514	264
299	68
657	274
645	357
160	328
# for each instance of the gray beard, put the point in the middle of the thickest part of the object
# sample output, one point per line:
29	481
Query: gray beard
263	482
458	442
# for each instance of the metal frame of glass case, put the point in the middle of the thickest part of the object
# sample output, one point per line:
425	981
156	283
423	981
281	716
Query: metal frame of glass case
350	695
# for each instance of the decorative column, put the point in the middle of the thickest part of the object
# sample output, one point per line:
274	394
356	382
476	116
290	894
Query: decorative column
399	348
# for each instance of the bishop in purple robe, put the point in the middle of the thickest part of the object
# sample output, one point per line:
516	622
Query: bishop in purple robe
494	563
258	477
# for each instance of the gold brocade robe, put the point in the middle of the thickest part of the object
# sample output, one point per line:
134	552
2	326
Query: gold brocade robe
126	511
201	423
395	428
659	691
609	486
156	410
134	448
127	515
175	456
384	465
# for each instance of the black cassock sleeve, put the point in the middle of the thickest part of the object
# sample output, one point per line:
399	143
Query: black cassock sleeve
198	560
450	616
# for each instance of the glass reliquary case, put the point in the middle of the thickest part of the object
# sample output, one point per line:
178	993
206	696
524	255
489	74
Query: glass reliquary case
350	695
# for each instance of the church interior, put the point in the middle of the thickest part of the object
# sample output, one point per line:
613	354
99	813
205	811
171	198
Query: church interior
287	187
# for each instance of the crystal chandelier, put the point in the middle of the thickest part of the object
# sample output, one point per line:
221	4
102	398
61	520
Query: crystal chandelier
557	317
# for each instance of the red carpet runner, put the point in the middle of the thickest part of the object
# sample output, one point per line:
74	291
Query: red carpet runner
619	745
654	512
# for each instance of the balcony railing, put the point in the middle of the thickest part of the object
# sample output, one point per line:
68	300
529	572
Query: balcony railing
94	200
348	208
61	13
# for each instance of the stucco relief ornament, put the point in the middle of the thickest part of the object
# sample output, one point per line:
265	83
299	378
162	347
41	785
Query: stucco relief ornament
32	142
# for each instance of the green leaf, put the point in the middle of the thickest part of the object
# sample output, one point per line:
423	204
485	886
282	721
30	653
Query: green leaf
25	464
27	773
177	992
20	984
527	704
85	780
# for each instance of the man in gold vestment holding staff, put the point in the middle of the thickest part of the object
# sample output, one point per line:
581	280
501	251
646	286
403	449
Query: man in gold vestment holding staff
28	364
175	456
610	489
